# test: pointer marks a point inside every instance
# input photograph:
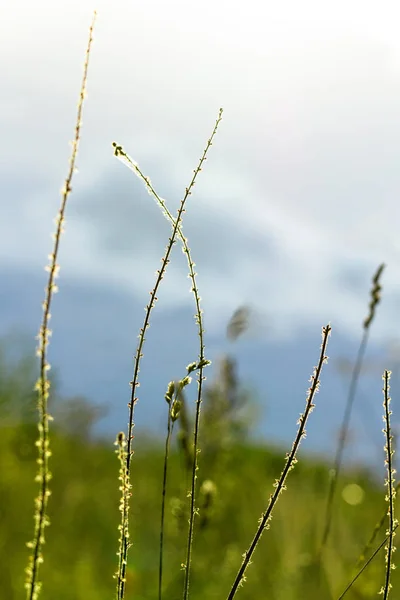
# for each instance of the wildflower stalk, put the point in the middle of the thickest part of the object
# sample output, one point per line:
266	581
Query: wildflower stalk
176	231
393	523
352	582
42	386
121	452
375	532
344	429
172	397
164	491
291	460
391	492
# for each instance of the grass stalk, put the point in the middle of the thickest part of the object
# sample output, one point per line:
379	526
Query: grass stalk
170	425
344	428
362	569
173	398
389	483
375	532
393	524
121	451
176	231
184	438
32	585
289	465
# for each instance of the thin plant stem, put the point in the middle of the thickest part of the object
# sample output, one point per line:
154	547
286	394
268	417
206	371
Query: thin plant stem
343	434
121	451
184	438
375	532
391	492
291	460
42	386
176	231
164	489
342	595
173	398
344	429
366	405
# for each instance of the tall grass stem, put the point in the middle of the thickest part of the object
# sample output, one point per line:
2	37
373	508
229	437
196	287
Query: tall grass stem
176	231
42	386
391	492
289	465
344	428
360	572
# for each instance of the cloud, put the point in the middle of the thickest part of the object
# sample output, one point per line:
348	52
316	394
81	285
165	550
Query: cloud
298	201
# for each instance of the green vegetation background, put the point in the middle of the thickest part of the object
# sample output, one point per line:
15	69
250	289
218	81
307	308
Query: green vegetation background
81	544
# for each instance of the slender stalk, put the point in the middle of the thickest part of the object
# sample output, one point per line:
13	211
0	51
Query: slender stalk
342	595
32	584
164	489
176	231
173	397
121	452
375	532
391	493
344	429
184	437
290	463
343	434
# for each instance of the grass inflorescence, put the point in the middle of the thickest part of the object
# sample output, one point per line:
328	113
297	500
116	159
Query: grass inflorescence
176	230
280	484
43	383
391	491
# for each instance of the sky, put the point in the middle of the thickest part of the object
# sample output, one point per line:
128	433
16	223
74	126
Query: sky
296	206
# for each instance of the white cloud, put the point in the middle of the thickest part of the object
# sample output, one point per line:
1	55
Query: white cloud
303	175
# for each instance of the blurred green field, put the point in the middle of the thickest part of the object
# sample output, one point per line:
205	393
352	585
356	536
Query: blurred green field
81	544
